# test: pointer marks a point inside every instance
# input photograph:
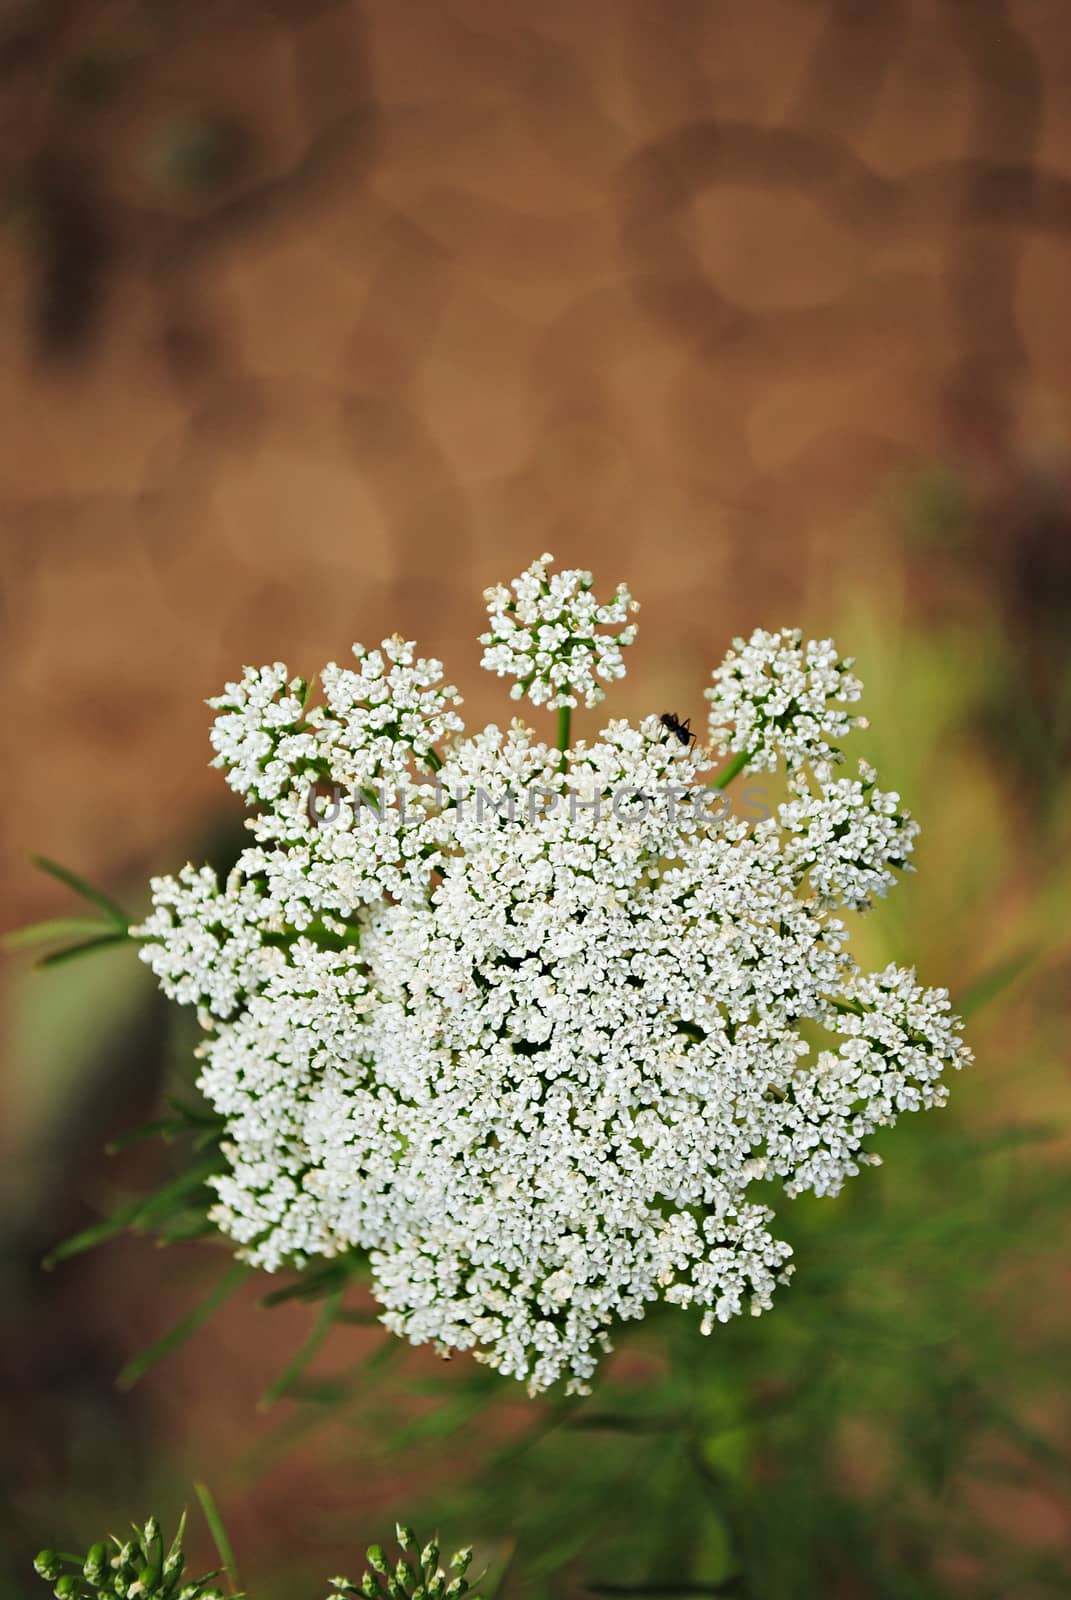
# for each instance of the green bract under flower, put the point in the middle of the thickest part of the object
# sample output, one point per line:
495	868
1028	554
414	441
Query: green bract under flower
525	1025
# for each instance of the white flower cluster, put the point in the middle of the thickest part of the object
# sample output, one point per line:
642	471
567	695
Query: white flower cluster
535	1055
267	742
776	696
850	839
545	635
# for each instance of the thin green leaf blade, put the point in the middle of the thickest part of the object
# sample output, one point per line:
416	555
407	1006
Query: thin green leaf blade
989	985
87	891
162	1128
225	1287
52	931
96	1233
296	1368
219	1534
153	1208
70	952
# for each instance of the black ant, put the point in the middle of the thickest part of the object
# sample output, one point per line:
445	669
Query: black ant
681	730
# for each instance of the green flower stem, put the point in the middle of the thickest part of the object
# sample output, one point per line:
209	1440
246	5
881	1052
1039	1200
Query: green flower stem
729	771
851	1006
720	1450
565	722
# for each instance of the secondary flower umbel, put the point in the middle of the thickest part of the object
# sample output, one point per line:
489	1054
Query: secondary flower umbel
545	635
535	1057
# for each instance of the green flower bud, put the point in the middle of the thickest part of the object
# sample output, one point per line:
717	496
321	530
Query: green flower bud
176	1543
404	1535
376	1559
429	1556
96	1563
46	1564
369	1587
462	1560
67	1588
404	1576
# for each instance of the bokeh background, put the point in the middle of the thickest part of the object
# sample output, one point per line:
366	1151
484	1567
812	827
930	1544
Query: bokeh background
318	316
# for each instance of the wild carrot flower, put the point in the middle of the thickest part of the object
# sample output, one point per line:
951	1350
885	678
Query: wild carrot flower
525	1024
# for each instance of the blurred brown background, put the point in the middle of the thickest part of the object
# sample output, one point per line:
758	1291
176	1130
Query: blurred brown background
319	317
316	318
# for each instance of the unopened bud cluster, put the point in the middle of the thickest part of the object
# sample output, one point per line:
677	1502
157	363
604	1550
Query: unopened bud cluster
415	1574
138	1568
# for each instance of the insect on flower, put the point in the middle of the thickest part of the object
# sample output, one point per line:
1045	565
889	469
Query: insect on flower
681	730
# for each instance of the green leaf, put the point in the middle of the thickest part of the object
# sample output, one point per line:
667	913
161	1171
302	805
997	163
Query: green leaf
145	1209
111	909
295	1368
89	1238
313	1284
163	1128
226	1286
207	1138
161	1203
992	983
56	957
330	1392
184	1225
199	1115
219	1534
51	932
390	1349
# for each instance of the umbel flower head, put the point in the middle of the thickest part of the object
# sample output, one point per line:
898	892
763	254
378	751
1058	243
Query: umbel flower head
524	1022
545	635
